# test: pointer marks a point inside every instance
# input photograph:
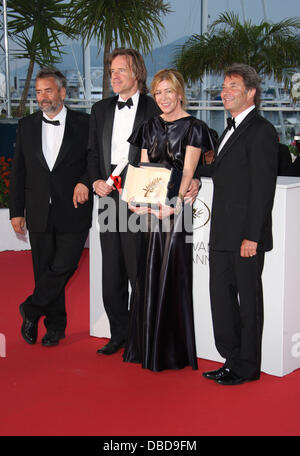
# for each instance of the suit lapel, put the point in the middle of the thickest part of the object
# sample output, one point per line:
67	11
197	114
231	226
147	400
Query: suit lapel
233	138
140	112
37	139
70	126
221	138
139	117
107	134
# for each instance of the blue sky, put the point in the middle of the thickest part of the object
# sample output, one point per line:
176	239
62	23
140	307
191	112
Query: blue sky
186	18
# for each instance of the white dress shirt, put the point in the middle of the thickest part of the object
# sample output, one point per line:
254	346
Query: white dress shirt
238	120
122	129
52	136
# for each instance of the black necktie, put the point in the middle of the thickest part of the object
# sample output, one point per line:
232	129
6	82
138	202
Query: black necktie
52	122
128	103
230	122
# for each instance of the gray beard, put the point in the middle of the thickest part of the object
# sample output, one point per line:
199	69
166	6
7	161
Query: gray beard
50	109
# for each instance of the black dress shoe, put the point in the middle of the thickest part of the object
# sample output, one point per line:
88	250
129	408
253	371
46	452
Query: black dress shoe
29	329
215	374
111	347
52	338
233	379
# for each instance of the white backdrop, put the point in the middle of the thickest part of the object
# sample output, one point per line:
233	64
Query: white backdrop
9	240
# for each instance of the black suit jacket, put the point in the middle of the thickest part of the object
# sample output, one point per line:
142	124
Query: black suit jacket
33	184
295	169
285	163
101	127
244	176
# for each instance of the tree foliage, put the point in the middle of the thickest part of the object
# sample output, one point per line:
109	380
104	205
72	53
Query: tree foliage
118	23
36	26
273	49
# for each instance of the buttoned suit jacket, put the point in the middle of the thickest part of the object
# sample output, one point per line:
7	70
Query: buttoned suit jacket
244	177
33	184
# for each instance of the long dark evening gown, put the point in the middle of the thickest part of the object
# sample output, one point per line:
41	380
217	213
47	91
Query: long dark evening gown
161	329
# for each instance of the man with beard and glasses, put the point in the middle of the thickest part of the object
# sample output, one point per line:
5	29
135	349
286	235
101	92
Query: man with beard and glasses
50	189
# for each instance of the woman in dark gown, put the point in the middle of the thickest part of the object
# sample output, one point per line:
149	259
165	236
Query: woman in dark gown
161	329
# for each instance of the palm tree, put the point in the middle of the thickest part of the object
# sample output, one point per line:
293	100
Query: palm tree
273	49
36	27
116	23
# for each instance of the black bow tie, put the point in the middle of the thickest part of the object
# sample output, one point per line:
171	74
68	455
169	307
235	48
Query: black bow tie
122	104
52	122
230	122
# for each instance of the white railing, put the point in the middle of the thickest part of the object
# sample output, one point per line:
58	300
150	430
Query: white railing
196	105
201	109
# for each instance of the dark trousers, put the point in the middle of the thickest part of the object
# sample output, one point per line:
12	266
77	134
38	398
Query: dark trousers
55	258
120	254
237	309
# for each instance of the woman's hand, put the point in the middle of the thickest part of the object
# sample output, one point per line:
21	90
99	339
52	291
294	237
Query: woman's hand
139	210
163	211
192	192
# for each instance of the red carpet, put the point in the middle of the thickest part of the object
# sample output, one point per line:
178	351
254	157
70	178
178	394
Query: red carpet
68	390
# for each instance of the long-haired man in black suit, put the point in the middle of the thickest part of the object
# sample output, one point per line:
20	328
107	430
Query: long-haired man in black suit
112	122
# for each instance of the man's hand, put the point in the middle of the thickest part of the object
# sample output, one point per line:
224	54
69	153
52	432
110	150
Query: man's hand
18	224
248	248
102	188
192	192
209	157
80	195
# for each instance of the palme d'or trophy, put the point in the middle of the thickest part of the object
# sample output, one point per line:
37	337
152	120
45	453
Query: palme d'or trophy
150	184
